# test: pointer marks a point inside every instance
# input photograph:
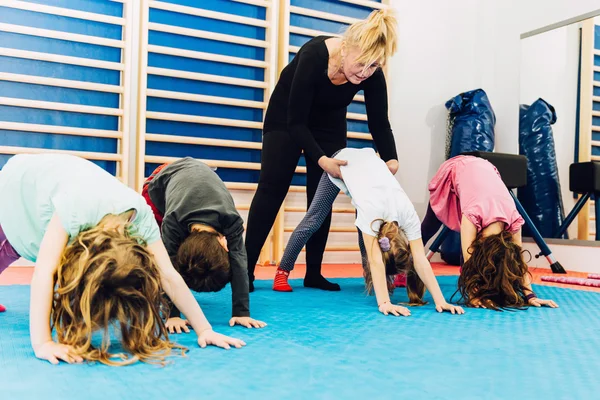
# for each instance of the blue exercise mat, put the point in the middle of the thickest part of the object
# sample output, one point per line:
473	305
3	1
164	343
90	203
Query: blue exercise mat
324	345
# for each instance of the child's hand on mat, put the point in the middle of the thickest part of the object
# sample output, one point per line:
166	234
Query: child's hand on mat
53	352
247	322
449	307
212	338
393	166
332	166
389	308
177	324
542	303
476	302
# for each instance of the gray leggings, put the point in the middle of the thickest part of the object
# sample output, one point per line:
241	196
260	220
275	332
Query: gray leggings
320	207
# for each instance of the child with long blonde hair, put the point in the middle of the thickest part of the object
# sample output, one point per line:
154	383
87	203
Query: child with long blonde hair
389	231
99	261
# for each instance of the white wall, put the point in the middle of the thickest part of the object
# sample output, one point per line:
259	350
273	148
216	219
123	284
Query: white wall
447	48
571	257
541	13
549	69
450	47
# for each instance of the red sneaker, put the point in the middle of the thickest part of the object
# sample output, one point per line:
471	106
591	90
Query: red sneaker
400	280
280	283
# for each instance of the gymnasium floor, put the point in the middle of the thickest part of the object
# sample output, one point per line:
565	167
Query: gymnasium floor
336	345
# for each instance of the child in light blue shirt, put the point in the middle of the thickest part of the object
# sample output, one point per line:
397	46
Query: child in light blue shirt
99	260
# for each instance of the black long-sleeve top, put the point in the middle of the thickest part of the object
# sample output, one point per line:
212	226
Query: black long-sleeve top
312	109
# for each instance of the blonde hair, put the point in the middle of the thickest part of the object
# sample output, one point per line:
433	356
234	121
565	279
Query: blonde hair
398	260
375	37
107	277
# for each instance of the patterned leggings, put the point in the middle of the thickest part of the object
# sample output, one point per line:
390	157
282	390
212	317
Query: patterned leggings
322	203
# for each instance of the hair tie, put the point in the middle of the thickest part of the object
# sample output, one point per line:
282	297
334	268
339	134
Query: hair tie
384	243
530	296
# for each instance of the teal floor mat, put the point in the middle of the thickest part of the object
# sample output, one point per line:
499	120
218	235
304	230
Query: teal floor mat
325	345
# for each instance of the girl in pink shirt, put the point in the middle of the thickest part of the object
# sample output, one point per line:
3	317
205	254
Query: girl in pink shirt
468	196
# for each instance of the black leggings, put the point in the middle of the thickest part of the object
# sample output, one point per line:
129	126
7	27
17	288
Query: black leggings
279	158
430	225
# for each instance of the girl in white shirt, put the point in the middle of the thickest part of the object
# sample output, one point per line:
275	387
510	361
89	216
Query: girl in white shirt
389	231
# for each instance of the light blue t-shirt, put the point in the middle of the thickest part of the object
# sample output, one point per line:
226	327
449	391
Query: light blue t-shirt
35	186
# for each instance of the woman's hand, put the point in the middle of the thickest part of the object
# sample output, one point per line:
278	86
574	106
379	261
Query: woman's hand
332	166
393	166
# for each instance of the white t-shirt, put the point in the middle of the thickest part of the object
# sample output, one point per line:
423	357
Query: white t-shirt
375	193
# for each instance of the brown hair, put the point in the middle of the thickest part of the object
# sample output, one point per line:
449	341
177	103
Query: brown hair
398	260
495	273
203	262
376	37
106	277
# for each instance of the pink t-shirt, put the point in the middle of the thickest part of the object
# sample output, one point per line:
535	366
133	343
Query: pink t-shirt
472	186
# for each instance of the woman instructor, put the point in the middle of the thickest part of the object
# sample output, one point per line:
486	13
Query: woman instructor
307	113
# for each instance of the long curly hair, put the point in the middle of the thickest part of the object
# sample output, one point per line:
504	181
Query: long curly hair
107	277
495	274
398	260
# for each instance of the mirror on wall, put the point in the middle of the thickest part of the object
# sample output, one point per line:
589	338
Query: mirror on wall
559	121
